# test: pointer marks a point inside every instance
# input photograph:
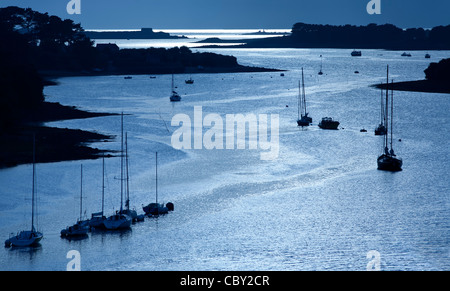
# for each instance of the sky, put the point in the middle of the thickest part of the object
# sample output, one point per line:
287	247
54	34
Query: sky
248	14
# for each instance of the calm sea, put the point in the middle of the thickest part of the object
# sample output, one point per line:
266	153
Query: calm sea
321	205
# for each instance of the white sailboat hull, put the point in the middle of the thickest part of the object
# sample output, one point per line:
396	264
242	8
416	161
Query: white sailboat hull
117	222
24	239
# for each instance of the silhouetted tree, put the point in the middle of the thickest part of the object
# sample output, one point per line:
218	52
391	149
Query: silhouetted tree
439	71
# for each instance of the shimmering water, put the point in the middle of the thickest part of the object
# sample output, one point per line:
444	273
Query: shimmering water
322	205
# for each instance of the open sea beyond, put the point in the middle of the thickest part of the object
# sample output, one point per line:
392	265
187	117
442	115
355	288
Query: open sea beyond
321	205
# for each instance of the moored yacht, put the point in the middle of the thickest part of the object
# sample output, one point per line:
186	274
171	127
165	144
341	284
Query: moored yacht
388	161
27	238
98	218
175	97
155	208
80	228
119	220
303	118
328	123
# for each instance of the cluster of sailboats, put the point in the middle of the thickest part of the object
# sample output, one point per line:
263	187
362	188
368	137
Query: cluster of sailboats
121	219
175	97
303	118
388	161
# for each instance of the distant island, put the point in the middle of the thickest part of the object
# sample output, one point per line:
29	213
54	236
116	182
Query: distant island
437	80
371	36
144	33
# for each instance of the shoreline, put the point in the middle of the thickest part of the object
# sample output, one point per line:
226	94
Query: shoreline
423	86
52	144
51	76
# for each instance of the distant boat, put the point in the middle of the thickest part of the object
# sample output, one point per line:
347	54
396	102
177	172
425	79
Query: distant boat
405	54
189	81
356	53
303	118
174	97
27	238
381	128
119	220
388	161
128	78
427	56
80	228
328	123
156	208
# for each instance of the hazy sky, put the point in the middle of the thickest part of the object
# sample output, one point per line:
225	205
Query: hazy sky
242	13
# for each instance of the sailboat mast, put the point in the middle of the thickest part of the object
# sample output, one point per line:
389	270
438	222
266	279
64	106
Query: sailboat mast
303	92
33	186
103	185
121	164
156	177
81	192
127	203
299	99
387	112
382	116
392	111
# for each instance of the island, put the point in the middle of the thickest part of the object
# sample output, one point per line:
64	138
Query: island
144	33
371	36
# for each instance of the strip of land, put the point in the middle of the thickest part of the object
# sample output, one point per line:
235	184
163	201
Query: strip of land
52	144
425	86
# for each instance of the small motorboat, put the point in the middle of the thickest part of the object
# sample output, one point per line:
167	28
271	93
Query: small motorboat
328	123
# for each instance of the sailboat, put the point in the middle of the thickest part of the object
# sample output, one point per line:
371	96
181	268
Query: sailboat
303	119
80	228
98	218
388	161
189	81
381	129
127	211
156	208
119	220
320	72
175	97
31	237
